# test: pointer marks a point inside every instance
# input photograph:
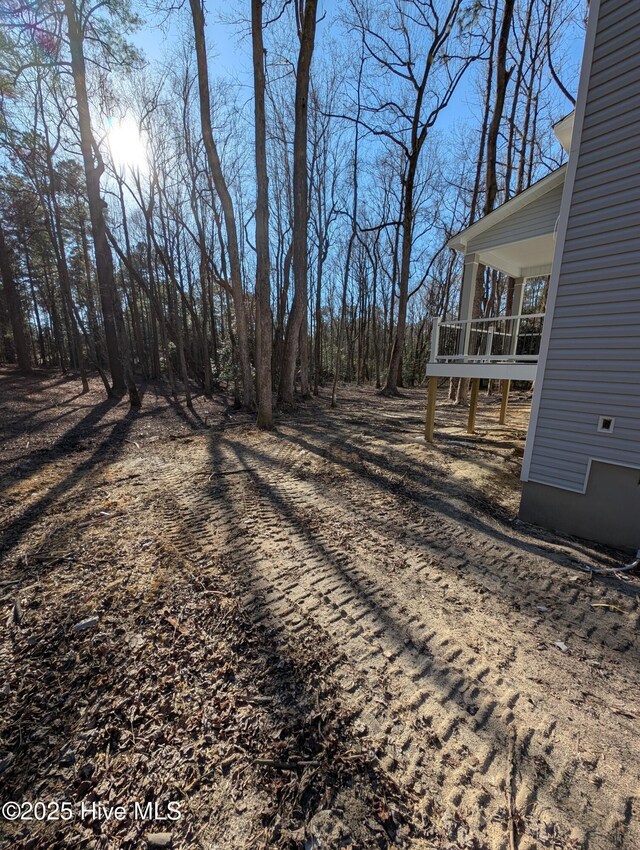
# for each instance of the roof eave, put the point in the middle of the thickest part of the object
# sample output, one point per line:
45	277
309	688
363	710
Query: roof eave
460	241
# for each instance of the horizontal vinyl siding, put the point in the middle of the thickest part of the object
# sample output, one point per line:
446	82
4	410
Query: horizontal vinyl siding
605	217
542	472
572	403
619	290
578	323
614	310
593	362
613	23
565	420
536	219
619	190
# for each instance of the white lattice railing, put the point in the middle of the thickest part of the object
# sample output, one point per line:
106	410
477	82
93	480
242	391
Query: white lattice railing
503	338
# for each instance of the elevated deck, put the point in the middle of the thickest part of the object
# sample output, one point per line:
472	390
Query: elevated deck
504	348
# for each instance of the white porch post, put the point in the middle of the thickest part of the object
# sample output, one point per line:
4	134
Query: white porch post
516	310
435	339
489	341
467	295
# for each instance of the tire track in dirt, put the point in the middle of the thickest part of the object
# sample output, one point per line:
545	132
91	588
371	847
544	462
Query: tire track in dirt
440	712
494	566
451	685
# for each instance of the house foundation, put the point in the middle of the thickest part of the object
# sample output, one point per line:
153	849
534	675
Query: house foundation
607	512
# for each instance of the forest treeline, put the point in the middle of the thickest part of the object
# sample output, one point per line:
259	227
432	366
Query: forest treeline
160	220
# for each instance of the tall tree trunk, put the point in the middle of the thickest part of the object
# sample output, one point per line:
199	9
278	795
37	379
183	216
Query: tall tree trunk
485	120
374	323
264	320
93	171
53	220
511	144
134	395
502	81
55	318
14	307
215	167
135	314
352	237
303	348
317	339
36	312
395	265
393	374
307	29
491	178
95	335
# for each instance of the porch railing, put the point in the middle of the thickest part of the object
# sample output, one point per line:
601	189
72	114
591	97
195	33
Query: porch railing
503	338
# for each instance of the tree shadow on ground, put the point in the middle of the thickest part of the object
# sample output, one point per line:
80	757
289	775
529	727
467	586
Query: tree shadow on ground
427	486
107	450
435	673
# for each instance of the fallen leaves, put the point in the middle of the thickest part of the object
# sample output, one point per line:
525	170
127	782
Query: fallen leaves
179	695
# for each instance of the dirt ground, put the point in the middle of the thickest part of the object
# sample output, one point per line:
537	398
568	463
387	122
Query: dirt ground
329	636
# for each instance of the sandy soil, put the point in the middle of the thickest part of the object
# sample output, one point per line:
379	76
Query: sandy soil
331	635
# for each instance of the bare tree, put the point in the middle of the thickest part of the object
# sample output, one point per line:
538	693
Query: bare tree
502	81
222	189
306	11
93	170
264	320
380	202
353	230
412	50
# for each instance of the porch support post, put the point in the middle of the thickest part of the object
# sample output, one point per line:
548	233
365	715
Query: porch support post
473	405
506	386
435	339
431	409
467	295
516	310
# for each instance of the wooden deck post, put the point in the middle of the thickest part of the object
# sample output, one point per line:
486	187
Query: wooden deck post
506	386
431	409
473	405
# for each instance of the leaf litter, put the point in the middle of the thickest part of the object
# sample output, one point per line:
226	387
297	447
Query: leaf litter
162	687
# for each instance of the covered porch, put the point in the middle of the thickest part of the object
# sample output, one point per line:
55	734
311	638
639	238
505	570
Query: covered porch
517	239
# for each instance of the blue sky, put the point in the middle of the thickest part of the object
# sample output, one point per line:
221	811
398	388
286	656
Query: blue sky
230	52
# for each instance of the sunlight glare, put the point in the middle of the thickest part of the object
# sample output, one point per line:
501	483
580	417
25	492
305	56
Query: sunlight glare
127	146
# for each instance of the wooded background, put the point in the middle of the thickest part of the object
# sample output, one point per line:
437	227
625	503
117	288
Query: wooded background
157	220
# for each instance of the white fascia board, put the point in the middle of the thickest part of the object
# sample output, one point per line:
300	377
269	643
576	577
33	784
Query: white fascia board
496	371
563	130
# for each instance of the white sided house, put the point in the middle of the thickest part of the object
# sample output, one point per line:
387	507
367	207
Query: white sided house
581	225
